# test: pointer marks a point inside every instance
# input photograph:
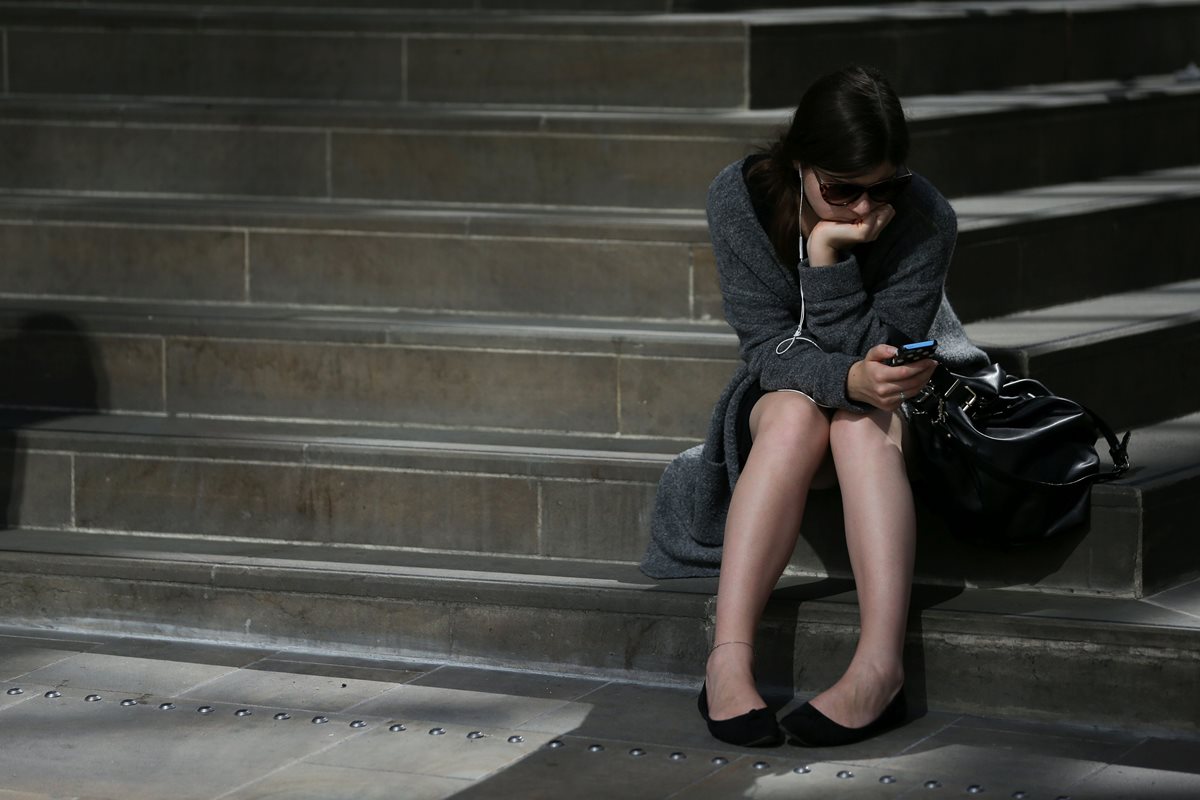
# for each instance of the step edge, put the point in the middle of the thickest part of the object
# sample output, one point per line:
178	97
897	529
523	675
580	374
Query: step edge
651	599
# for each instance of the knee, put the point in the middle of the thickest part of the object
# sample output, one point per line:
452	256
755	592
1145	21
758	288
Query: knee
790	422
875	430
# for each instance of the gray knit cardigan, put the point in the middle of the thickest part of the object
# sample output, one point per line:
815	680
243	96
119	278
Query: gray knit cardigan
891	290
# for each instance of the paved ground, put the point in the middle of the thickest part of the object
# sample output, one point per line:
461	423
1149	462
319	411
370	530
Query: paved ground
102	717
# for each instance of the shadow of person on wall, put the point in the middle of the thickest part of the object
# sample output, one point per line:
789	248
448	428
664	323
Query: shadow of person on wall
50	368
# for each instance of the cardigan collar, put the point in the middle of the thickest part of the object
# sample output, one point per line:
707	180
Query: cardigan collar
759	255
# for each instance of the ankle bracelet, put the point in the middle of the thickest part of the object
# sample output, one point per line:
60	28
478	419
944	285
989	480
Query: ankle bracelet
722	644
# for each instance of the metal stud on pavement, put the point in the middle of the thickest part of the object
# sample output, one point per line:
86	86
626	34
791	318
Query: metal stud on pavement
554	745
205	710
677	756
933	784
595	748
14	692
282	716
128	703
887	779
802	770
92	698
475	735
320	720
720	761
845	774
166	706
52	694
974	789
358	723
516	739
637	752
437	731
761	765
397	728
243	712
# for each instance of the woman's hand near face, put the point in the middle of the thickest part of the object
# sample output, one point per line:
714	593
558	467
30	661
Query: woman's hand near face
830	238
874	382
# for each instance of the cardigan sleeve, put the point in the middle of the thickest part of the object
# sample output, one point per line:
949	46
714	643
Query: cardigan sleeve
915	257
764	322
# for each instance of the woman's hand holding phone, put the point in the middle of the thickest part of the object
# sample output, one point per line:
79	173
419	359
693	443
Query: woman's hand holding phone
875	382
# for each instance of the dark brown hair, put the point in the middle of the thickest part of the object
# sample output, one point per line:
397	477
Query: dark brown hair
849	121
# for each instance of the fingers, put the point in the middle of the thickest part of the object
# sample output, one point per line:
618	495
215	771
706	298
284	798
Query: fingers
891	386
880	353
874	382
920	371
913	377
893	397
871	225
845	234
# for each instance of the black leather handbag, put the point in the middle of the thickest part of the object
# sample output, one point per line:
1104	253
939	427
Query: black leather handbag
1004	460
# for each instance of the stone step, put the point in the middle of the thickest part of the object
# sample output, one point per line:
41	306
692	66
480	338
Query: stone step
1051	244
360	152
599	378
1112	352
676	60
477	7
1004	653
208	483
391	369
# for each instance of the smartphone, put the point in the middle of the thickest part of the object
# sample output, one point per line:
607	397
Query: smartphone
913	352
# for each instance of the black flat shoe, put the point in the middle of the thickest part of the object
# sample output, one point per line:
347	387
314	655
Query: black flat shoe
808	727
756	728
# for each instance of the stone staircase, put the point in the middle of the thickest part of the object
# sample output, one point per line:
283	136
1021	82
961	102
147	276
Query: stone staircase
371	327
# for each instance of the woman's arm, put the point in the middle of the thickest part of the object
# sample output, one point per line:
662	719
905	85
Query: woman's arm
916	247
758	310
843	321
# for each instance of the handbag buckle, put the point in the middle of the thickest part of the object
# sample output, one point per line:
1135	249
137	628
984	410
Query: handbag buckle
970	403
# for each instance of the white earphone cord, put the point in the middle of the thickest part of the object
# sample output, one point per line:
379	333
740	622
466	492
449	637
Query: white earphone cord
798	336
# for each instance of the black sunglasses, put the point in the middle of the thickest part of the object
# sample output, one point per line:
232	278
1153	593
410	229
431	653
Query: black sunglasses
843	194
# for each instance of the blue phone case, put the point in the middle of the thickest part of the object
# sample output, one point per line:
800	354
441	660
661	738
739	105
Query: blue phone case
914	351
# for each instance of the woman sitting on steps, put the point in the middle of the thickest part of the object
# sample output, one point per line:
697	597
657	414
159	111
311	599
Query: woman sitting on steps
830	253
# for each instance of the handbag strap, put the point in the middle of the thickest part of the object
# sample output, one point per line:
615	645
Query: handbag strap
1117	449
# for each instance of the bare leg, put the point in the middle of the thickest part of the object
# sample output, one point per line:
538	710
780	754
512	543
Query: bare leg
791	440
881	540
